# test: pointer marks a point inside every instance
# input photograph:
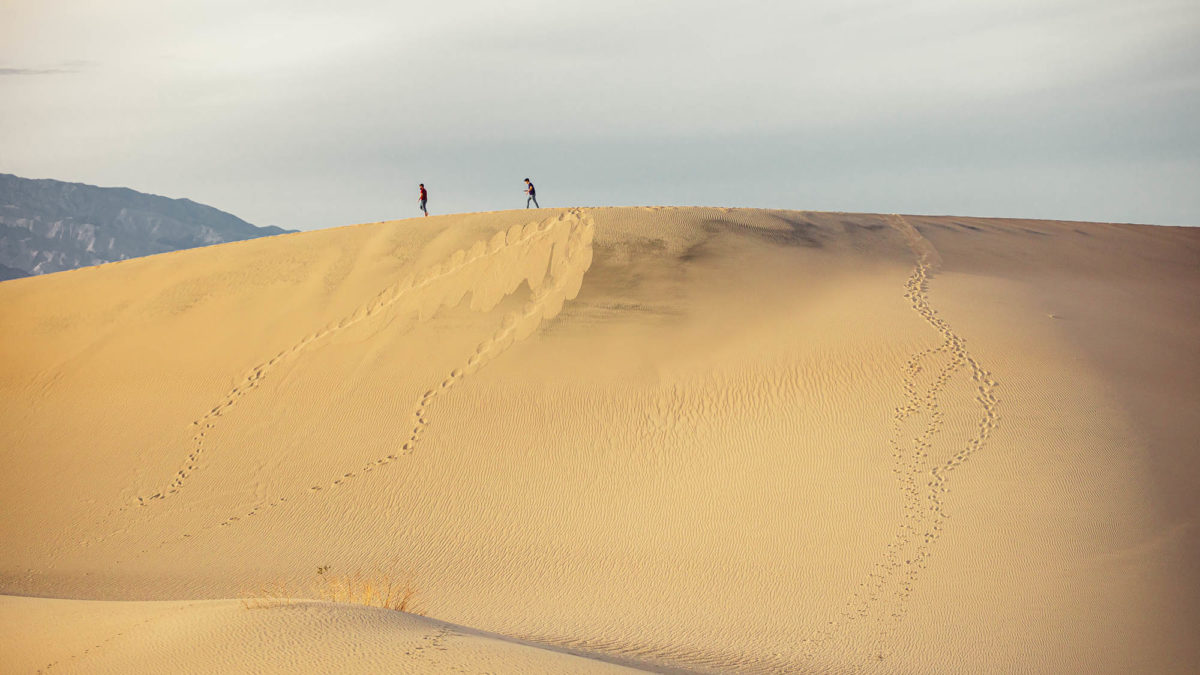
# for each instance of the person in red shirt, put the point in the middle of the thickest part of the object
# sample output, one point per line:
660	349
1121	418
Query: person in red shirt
423	196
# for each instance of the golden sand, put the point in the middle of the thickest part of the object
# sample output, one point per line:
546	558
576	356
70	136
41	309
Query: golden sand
596	439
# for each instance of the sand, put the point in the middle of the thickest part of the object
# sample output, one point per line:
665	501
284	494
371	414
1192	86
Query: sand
675	440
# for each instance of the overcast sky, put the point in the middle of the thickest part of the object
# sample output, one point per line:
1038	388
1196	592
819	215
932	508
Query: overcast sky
311	114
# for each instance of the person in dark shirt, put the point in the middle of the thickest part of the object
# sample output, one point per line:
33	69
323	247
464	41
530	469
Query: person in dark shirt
532	195
423	196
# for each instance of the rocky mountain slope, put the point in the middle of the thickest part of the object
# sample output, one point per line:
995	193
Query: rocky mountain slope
50	226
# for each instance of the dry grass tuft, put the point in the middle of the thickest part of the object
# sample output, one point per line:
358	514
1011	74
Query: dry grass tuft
371	590
381	589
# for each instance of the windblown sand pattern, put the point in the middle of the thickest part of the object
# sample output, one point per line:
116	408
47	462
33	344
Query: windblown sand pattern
675	440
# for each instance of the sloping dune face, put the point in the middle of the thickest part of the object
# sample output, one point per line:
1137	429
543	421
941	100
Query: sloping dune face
676	439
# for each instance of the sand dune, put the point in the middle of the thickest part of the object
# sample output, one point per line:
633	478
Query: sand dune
205	636
596	439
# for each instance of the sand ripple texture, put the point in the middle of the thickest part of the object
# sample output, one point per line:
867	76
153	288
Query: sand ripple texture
667	439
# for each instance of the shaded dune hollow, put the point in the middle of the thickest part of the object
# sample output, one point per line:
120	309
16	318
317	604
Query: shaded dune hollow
610	439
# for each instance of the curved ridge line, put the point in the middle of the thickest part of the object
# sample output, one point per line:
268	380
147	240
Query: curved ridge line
384	299
545	304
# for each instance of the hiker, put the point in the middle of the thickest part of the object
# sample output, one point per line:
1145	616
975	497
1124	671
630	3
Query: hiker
424	196
532	195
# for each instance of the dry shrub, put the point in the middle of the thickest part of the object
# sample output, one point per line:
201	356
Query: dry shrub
380	589
375	590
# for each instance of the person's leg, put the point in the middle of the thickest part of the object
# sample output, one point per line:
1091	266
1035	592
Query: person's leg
535	204
527	200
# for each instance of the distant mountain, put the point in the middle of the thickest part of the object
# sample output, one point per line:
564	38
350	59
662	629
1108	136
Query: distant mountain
7	273
50	226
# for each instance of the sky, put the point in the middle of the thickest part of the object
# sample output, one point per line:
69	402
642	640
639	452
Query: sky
308	114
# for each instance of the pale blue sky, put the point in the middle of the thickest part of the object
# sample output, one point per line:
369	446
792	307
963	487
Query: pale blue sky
311	114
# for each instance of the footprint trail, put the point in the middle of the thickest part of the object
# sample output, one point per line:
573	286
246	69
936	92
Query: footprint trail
551	256
881	602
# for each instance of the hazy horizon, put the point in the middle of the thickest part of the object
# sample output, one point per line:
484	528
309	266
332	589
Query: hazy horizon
302	116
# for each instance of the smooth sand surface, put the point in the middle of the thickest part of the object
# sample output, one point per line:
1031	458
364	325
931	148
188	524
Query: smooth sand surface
211	636
590	439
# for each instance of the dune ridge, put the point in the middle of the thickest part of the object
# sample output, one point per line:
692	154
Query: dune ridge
564	255
551	256
691	440
204	635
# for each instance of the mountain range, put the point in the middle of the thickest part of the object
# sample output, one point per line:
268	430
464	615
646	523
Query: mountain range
50	226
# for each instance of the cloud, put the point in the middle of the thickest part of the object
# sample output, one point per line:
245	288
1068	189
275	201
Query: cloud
60	69
305	114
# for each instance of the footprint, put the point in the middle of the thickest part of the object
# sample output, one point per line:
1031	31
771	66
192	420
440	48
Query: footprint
567	264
